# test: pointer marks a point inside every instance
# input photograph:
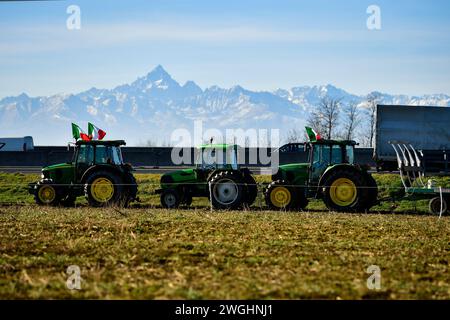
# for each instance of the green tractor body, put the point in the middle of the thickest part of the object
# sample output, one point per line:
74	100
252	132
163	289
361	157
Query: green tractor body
330	174
217	176
96	171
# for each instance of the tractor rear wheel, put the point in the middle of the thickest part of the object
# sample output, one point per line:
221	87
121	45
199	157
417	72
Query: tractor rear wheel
280	196
372	192
251	189
227	191
131	190
103	189
344	191
435	205
47	193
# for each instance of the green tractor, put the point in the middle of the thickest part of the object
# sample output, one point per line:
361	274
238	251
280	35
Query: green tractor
97	171
217	176
330	174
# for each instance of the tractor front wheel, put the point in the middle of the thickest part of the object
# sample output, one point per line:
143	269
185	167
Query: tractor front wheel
103	189
280	196
47	193
345	191
170	199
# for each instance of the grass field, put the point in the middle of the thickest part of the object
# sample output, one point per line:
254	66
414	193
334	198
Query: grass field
149	252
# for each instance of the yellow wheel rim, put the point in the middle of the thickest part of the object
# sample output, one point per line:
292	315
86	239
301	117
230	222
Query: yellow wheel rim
46	194
102	189
343	192
280	197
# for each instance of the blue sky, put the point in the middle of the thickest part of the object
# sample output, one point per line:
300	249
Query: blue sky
261	45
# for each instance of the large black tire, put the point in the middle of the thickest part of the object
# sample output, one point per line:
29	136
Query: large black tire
372	192
47	193
345	191
302	200
280	196
435	206
227	190
131	190
104	189
170	199
251	190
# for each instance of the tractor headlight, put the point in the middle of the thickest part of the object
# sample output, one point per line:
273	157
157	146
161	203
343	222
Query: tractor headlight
42	176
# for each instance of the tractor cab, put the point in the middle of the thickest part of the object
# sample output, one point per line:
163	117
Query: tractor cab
217	156
326	153
90	153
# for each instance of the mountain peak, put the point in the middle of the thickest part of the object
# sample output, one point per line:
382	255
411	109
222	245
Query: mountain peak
158	73
158	78
191	87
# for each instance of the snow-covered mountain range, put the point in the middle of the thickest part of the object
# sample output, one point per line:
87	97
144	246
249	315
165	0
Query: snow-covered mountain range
153	106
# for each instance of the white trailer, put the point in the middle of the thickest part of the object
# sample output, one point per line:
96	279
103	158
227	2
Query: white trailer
16	144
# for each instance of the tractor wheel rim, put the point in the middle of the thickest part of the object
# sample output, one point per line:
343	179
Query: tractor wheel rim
343	192
170	200
102	189
47	194
225	191
280	197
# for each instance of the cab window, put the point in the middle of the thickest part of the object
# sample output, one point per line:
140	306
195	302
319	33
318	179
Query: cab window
85	154
116	156
336	154
102	154
325	154
350	155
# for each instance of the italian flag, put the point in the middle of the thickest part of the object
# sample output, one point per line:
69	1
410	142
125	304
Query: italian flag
95	133
78	133
312	135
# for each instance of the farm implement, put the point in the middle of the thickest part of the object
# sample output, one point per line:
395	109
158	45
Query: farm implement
412	175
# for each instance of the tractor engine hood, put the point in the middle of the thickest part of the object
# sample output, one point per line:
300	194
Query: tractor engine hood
291	172
179	176
57	166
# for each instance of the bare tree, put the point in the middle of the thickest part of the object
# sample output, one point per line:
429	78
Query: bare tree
351	120
372	100
329	112
315	121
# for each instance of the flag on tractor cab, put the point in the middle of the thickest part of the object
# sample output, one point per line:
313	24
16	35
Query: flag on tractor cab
95	133
312	135
78	133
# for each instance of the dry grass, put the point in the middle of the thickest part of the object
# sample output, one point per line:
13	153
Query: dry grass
155	253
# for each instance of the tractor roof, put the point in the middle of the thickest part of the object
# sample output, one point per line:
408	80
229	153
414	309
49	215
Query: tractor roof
336	142
115	143
223	146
